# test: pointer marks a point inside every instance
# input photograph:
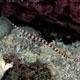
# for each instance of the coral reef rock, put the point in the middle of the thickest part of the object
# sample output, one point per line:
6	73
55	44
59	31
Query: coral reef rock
4	26
65	13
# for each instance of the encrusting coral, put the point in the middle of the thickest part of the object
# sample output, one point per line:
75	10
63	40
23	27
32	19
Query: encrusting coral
63	14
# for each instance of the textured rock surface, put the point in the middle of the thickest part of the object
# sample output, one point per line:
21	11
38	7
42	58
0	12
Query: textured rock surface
4	27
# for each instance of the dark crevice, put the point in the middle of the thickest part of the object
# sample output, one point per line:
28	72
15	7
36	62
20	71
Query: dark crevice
47	29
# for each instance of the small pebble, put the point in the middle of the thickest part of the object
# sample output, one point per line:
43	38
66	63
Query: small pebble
74	79
78	69
53	71
9	40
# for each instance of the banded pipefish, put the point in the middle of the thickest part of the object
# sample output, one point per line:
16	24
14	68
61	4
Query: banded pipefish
44	42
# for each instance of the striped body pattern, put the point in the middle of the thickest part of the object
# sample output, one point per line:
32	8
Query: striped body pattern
43	42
